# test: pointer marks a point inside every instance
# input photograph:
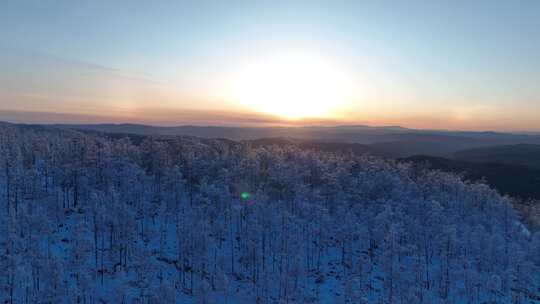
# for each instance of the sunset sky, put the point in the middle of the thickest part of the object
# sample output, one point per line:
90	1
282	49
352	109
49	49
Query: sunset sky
469	65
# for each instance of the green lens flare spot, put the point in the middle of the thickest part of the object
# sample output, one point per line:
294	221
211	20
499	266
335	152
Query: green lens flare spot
244	196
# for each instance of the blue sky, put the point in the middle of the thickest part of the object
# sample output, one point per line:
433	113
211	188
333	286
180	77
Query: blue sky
439	64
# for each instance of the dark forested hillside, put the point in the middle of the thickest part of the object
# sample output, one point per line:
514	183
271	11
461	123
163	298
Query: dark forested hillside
523	155
516	181
89	218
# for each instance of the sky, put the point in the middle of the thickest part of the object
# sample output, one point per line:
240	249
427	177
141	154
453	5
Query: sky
467	65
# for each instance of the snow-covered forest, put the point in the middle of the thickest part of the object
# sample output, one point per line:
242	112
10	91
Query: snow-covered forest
95	218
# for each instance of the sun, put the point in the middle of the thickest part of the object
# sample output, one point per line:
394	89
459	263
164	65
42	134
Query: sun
291	86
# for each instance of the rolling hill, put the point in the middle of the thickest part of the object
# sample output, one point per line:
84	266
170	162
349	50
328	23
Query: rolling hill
516	181
521	154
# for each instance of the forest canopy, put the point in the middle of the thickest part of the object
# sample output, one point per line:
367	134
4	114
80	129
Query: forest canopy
88	217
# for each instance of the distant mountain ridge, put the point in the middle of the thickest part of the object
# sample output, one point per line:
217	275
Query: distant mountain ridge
348	133
387	141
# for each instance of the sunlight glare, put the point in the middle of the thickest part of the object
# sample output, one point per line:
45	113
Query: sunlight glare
291	86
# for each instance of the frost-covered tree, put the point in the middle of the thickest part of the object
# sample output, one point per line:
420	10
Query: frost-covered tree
88	217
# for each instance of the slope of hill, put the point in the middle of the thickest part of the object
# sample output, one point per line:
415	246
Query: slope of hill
93	218
336	147
522	154
516	181
443	147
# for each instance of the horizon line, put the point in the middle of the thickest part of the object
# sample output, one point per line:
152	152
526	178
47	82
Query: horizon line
522	132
